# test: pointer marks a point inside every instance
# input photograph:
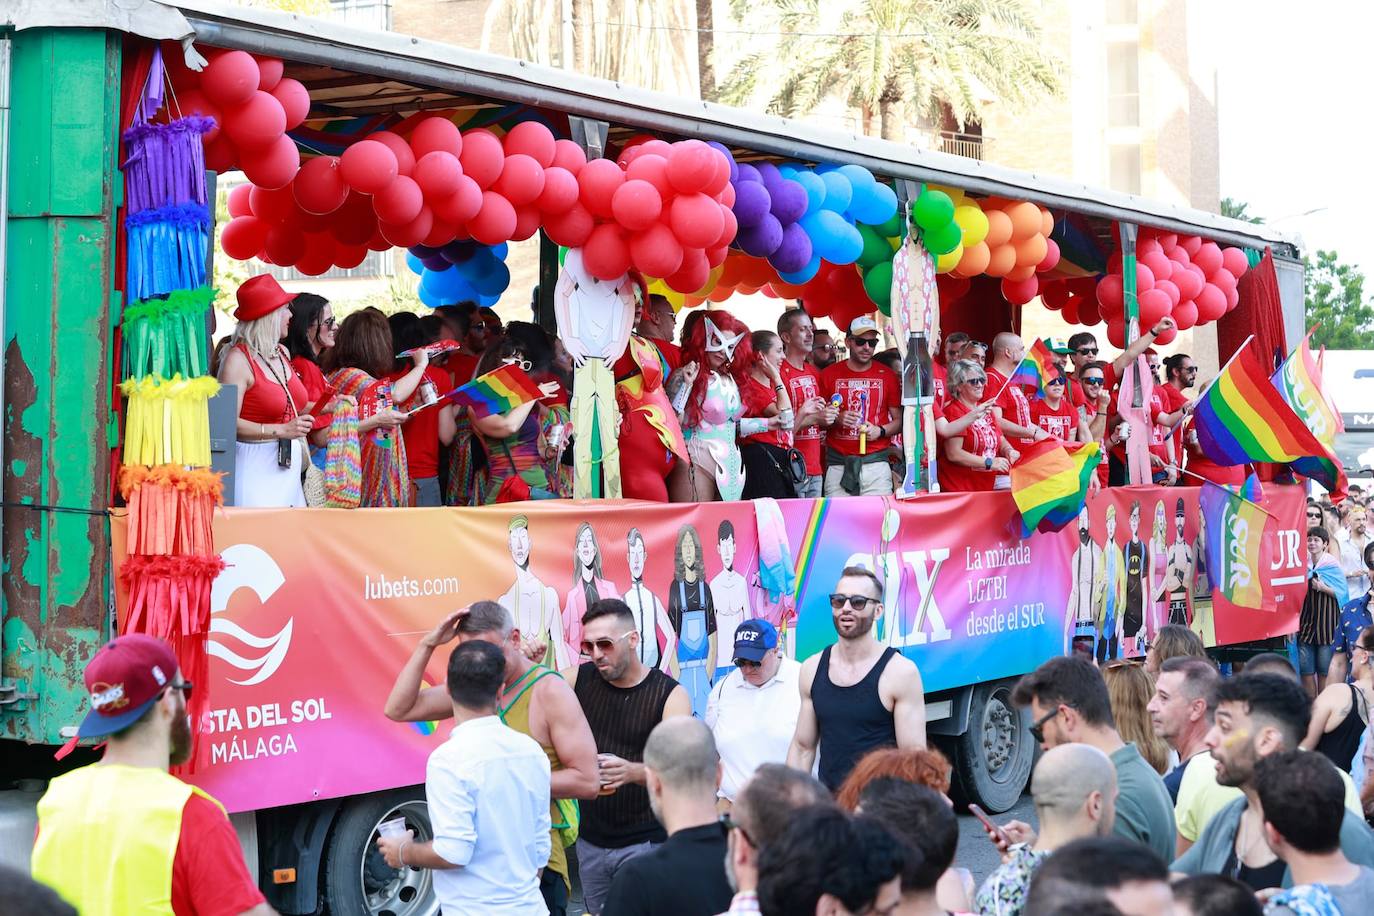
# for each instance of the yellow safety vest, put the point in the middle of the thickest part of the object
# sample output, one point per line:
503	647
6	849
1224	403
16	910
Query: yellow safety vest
107	838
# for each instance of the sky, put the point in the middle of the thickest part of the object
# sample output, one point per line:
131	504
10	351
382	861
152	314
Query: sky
1293	84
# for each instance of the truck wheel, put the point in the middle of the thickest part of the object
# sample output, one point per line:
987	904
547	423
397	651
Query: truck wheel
357	879
993	757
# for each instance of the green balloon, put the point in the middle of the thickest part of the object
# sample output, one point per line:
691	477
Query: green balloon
944	239
933	210
562	254
878	285
876	249
892	228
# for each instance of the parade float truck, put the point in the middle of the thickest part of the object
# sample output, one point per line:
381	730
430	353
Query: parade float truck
316	610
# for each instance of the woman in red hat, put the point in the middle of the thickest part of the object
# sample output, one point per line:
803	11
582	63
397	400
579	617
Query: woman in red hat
270	451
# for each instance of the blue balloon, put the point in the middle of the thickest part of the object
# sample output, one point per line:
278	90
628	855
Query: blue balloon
805	275
428	298
815	188
875	206
838	192
500	250
488	301
859	177
833	237
495	281
414	264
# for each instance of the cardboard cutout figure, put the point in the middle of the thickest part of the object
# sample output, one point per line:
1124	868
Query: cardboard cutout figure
657	640
1178	574
532	604
693	616
730	595
588	587
1089	585
1111	619
594	318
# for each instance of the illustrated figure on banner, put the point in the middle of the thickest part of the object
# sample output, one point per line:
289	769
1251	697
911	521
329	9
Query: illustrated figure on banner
693	617
657	640
1203	622
588	586
1137	590
730	596
651	440
1159	564
1111	613
532	604
594	319
1178	573
1086	591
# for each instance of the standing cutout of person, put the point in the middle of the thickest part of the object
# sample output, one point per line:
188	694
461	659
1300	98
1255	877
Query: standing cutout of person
1137	570
730	595
588	586
693	616
1159	563
1178	574
532	604
1111	614
656	637
1089	581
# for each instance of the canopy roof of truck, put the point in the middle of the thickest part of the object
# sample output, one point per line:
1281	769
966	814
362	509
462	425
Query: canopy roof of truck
364	77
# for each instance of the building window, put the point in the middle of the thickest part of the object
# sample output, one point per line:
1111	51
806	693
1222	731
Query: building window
1123	168
1123	84
376	264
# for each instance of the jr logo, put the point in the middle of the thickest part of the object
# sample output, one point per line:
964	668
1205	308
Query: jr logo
247	566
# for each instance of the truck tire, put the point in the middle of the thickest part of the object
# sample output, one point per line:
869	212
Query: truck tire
993	757
357	879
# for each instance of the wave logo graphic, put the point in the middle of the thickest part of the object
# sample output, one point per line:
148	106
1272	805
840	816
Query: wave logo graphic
247	566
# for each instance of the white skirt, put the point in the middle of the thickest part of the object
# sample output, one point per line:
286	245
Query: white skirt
258	480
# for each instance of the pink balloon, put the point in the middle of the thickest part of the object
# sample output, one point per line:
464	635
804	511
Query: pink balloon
269	72
691	167
1170	290
696	220
1189	279
1232	298
656	252
495	222
1154	305
399	203
1208	257
1233	259
1185	314
436	135
521	181
1211	304
606	255
571	228
1159	265
462	205
294	99
483	157
560	190
405	158
368	166
1144	278
599	180
1223	279
636	205
319	186
530	138
653	169
568	155
231	79
1190	244
1051	259
438	174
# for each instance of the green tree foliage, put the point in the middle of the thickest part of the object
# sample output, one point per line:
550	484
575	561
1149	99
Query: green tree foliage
1238	209
906	60
1337	303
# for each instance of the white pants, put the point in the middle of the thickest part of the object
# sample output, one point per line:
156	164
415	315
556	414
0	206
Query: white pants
260	482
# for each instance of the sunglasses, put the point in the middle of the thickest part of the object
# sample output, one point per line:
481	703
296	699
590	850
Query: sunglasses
486	327
864	341
522	363
1093	380
729	825
1055	381
604	645
855	602
976	381
1037	730
1086	351
329	322
185	687
829	346
746	663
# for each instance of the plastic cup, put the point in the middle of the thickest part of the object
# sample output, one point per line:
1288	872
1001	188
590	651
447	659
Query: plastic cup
393	829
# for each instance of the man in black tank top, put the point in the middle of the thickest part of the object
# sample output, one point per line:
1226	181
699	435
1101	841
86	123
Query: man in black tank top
856	695
623	699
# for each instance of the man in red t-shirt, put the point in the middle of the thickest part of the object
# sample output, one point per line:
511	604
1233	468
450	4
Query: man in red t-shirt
804	390
868	415
138	704
1014	415
1084	346
657	324
1180	372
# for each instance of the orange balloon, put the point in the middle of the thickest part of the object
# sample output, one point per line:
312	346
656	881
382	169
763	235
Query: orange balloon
1019	273
995	203
1046	222
757	272
1032	250
999	229
730	270
974	261
1025	220
786	290
720	293
1002	261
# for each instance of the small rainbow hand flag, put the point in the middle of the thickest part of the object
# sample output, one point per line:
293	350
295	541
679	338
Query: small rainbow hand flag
499	391
1036	367
1049	482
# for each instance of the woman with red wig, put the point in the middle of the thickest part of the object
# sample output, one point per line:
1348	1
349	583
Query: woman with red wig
705	392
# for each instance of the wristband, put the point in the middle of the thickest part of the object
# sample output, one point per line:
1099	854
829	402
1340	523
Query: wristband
987	464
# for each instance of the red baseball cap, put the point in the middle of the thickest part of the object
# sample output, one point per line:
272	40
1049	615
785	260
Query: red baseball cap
260	296
125	678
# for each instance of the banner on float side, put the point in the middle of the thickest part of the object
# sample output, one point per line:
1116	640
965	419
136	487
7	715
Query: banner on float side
317	612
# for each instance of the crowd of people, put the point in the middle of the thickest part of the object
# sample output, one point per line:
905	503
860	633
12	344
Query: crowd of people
781	412
1165	786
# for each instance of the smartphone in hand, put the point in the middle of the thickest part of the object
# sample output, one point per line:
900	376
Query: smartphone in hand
982	816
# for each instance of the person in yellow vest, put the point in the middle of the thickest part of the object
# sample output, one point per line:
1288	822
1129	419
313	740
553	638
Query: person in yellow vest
110	834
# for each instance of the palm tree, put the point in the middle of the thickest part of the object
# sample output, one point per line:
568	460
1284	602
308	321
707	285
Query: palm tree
1238	209
910	60
706	43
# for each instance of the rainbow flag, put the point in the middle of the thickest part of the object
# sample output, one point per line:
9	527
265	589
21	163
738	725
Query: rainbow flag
1243	418
1049	483
1036	367
1299	383
1234	540
501	390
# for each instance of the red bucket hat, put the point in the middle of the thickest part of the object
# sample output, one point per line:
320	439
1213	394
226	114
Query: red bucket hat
260	296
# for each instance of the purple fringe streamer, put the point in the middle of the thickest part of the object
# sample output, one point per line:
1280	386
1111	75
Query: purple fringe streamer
166	163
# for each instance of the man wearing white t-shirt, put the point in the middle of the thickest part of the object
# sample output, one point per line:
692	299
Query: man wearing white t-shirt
753	710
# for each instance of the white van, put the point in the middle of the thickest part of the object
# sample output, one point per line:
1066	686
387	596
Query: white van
1348	376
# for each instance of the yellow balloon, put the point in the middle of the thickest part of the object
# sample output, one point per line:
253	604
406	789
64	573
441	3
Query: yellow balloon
947	262
895	242
711	281
955	194
974	222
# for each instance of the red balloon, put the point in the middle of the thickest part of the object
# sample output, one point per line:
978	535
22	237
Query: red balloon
405	158
1208	257
1191	244
1185	314
295	101
1147	245
1088	312
1211	304
438	174
221	155
256	123
727	195
436	135
598	181
312	222
1232	298
605	255
1116	332
1069	313
721	179
695	219
693	273
560	190
349	256
716	256
243	237
368	166
1051	259
729	229
636	205
412	233
462	205
1109	292
653	169
1166	336
530	138
378	241
521	181
1154	305
1223	279
440	234
1167	240
656	252
1178	255
319	186
319	254
1160	266
1144	278
1233	259
527	220
571	228
1019	292
238	201
691	166
1054	295
273	166
354	223
482	157
1170	290
1189	280
399	203
275	206
194	102
568	155
284	245
495	222
270	71
230	79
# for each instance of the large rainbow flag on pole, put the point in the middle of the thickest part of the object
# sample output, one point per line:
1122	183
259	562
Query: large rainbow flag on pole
501	390
1036	368
1299	383
1234	540
1242	418
1049	482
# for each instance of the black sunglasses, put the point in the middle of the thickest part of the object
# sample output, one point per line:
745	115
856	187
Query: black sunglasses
730	824
855	602
1093	380
185	687
1037	730
864	341
1086	351
746	663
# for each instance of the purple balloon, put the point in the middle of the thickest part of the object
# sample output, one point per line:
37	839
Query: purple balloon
751	203
423	251
795	251
770	175
729	157
761	240
789	201
436	262
748	173
458	251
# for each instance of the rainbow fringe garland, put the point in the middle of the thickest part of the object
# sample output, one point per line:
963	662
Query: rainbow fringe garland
167	421
170	509
167	337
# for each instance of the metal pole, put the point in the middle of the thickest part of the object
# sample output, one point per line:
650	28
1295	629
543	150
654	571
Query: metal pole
5	65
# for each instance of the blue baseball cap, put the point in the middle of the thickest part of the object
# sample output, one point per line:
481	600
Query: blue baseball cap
127	676
754	638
